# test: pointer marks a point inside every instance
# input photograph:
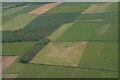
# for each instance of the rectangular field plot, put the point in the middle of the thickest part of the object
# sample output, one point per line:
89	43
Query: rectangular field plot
101	17
43	71
17	48
99	8
91	73
61	53
18	22
69	7
100	55
90	32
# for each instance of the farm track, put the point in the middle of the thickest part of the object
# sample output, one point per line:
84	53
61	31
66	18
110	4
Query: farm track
87	68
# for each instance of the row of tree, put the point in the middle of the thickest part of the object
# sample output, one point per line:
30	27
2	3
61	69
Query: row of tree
27	57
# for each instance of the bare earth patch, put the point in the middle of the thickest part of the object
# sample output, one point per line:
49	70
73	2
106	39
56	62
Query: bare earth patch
7	60
96	8
44	8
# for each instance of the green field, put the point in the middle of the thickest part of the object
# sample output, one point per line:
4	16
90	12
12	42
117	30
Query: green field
100	55
86	73
113	7
88	32
63	53
42	71
69	7
59	32
7	18
18	22
17	48
106	17
13	10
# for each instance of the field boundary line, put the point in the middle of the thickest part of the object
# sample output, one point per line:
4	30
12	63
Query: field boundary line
86	68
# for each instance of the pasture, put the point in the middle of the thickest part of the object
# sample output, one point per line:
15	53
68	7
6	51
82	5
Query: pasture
61	53
17	48
18	22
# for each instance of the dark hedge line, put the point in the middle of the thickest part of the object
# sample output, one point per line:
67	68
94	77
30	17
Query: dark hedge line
27	57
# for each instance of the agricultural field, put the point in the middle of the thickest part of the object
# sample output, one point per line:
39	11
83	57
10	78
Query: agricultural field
89	32
17	48
69	54
59	40
18	22
69	8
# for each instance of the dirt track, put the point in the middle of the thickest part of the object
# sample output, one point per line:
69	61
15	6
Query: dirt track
44	8
7	60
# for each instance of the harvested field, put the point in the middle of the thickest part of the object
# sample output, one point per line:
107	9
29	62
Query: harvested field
7	60
62	53
18	22
59	32
44	8
100	8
